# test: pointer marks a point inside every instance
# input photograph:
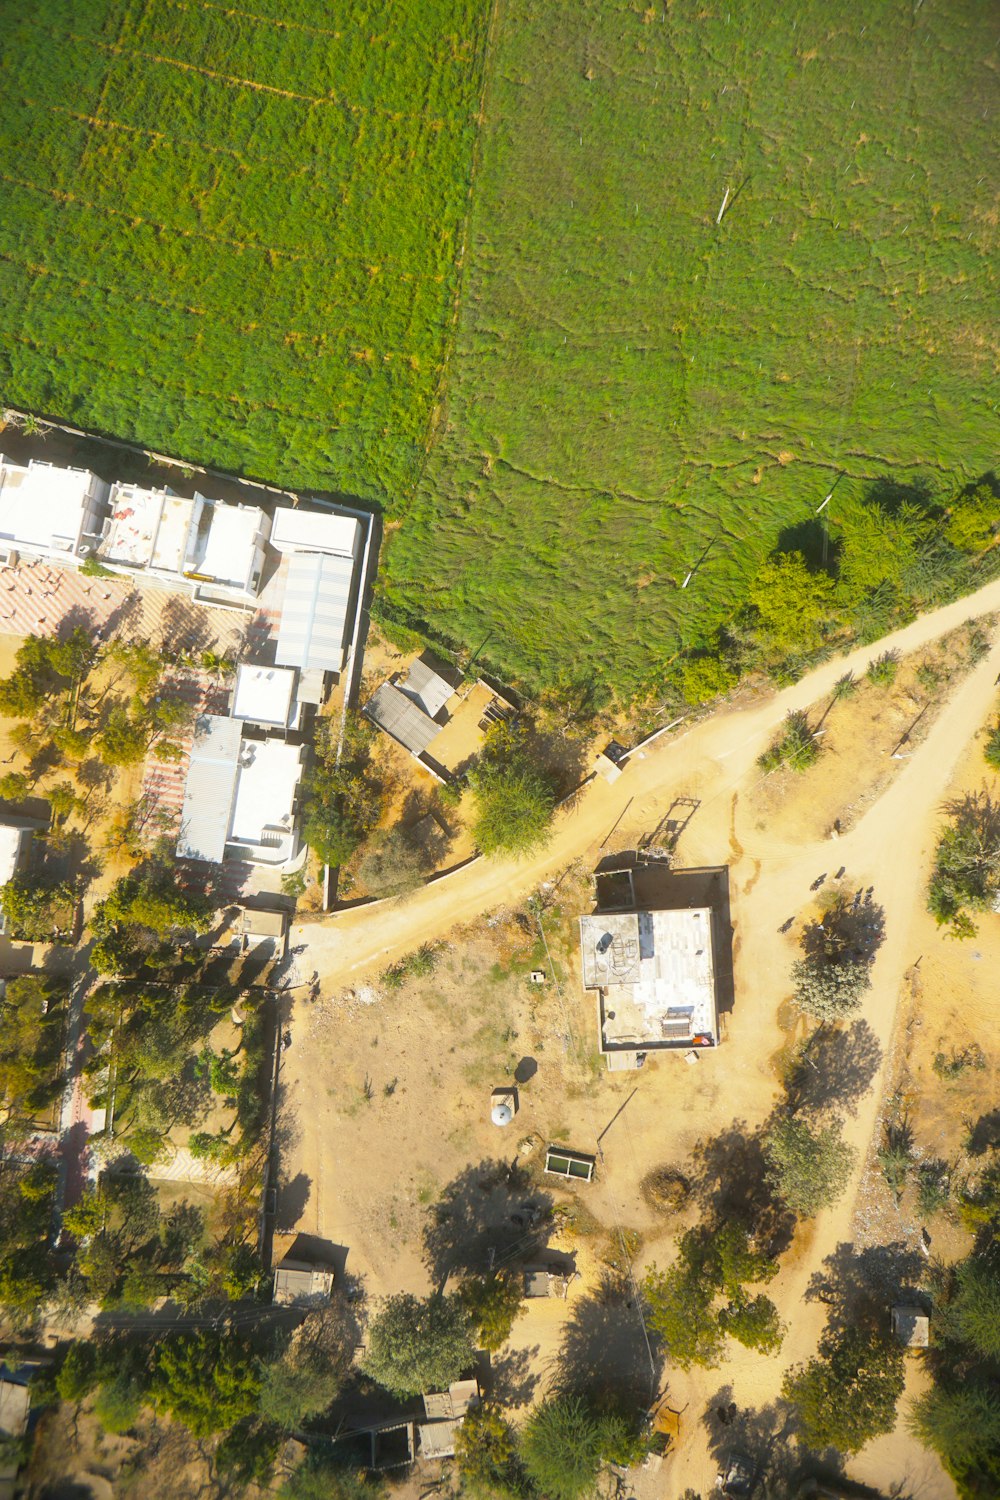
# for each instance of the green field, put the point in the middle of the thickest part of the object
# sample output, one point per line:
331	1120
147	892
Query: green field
632	382
231	233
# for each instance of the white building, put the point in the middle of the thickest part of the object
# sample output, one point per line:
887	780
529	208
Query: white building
216	547
50	512
240	796
266	696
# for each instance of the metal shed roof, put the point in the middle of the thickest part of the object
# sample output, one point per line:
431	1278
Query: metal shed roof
314	612
210	788
427	687
399	716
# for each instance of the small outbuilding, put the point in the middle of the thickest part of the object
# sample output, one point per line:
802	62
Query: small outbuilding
911	1326
301	1283
259	929
544	1281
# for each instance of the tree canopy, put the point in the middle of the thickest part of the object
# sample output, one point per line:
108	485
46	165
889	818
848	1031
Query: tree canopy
848	1394
809	1167
416	1346
513	796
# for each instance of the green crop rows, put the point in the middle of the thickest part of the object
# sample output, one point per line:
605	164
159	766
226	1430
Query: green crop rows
632	382
232	232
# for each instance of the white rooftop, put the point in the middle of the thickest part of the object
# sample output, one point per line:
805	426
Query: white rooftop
295	529
223	546
262	817
265	695
44	507
135	534
656	976
12	841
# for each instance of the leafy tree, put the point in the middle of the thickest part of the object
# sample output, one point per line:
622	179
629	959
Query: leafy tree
682	1311
486	1456
848	1394
880	547
975	1311
308	1375
31	1023
754	1323
119	1403
962	1424
493	1303
966	874
122	741
562	1448
974	519
809	1168
416	1346
142	663
790	605
702	678
14	786
140	908
830	991
321	1479
208	1381
514	799
37	909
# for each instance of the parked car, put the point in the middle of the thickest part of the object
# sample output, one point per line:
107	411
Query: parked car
737	1478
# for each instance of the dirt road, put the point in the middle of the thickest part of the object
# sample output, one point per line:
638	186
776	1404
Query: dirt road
349	944
889	847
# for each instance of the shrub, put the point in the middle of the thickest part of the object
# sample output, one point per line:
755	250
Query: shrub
796	746
702	678
486	1456
561	1448
884	668
991	750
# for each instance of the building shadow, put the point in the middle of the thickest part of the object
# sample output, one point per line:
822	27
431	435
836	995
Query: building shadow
860	1287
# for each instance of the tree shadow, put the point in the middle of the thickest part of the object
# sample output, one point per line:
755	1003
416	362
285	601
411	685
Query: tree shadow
729	1178
860	1287
603	1351
512	1382
292	1199
810	538
985	1134
490	1209
889	495
834	1067
851	930
763	1434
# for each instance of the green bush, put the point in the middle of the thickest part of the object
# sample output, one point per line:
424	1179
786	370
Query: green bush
884	668
797	746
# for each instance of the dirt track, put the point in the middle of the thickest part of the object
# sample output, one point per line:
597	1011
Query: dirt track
889	847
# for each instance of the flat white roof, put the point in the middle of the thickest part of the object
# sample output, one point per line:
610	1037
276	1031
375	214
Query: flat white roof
313	620
266	782
223	548
147	528
42	506
264	695
209	788
10	848
295	529
656	975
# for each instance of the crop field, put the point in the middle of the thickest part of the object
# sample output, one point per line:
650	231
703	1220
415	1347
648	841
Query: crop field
634	382
232	233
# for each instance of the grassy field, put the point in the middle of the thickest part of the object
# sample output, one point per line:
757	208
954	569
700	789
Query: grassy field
634	382
232	233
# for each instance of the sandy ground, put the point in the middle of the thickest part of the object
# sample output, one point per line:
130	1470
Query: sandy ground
369	1192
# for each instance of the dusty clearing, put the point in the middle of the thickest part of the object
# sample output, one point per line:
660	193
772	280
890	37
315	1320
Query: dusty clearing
391	1156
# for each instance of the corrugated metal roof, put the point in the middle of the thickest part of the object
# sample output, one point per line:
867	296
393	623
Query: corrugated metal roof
399	716
314	612
210	788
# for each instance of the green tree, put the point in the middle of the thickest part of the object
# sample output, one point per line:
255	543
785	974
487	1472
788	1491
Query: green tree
754	1323
966	874
119	1403
486	1456
809	1168
309	1373
14	786
513	797
830	991
973	520
702	678
791	605
975	1311
962	1424
31	1027
991	750
208	1381
122	741
321	1479
681	1304
848	1394
562	1448
492	1303
37	909
416	1346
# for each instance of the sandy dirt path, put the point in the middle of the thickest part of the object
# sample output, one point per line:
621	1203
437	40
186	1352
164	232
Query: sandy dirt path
889	847
350	943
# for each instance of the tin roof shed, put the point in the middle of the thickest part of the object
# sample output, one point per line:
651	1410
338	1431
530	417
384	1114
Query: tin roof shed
314	612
